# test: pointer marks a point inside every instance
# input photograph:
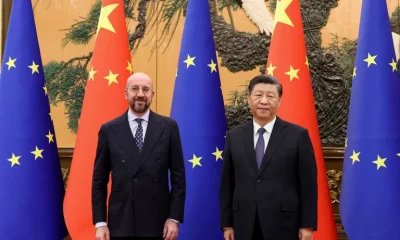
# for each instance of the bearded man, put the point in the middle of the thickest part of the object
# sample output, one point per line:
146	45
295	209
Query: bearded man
142	150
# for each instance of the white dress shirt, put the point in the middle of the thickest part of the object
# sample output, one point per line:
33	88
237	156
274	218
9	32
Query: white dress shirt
134	125
267	133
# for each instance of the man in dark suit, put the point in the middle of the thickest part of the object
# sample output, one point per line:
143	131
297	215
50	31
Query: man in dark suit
269	178
139	148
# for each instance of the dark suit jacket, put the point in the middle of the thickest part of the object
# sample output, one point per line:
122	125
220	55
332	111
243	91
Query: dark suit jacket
283	192
140	199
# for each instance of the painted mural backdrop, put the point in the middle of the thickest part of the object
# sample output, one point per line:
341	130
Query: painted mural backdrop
153	24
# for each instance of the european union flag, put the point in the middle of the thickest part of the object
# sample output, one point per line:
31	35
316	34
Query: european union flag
370	194
31	184
198	108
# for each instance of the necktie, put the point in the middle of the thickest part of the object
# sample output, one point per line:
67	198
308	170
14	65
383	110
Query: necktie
139	134
260	146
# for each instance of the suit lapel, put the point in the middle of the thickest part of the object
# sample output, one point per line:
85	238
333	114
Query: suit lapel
276	138
248	140
124	134
154	130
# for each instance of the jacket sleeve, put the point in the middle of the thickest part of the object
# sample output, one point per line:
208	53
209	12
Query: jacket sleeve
227	187
177	177
101	171
307	172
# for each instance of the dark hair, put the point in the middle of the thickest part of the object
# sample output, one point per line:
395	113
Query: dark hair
266	79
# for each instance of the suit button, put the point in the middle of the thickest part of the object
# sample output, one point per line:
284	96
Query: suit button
155	180
258	180
158	160
123	160
135	180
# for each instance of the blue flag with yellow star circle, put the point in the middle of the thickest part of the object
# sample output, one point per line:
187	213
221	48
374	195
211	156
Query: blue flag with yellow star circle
198	107
31	183
370	193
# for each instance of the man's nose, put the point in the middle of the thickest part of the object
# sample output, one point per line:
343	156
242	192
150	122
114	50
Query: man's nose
140	93
264	100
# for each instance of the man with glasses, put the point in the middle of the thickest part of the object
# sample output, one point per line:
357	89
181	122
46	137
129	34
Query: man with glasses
142	150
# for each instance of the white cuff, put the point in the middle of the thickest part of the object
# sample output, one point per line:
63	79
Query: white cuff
101	224
173	220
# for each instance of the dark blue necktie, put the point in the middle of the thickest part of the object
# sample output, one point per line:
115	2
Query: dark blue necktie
260	146
139	134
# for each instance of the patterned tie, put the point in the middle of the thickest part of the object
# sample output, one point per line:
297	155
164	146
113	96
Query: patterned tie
260	146
139	134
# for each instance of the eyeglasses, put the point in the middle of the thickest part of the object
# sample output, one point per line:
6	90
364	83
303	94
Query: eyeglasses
136	89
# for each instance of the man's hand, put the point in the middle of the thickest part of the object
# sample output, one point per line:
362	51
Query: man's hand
305	234
171	229
102	233
228	233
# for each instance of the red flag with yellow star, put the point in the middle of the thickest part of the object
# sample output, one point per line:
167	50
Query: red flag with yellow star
104	100
288	62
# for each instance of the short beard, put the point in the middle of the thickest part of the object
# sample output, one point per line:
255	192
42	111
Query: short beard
140	109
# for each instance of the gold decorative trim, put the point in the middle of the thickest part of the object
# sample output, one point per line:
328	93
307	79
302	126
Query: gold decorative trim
65	156
65	172
334	183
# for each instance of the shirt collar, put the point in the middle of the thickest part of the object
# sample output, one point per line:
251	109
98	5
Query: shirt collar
132	116
267	127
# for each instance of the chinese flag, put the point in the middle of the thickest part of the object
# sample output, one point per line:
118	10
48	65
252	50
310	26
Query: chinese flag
288	62
104	100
